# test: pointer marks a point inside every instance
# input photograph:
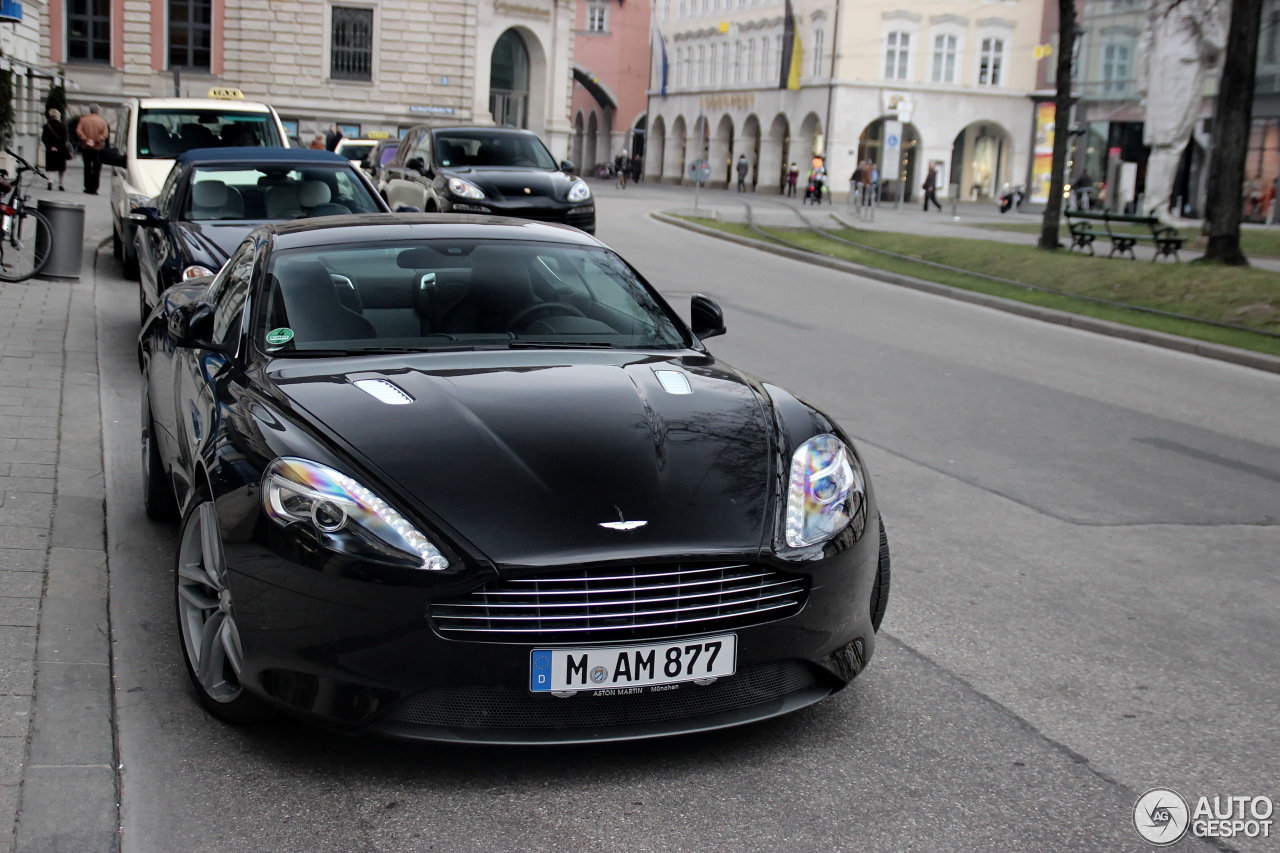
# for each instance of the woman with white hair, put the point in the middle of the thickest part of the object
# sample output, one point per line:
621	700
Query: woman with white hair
56	150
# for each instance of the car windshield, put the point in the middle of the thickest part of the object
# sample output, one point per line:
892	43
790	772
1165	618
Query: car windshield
491	149
457	294
164	134
275	192
355	149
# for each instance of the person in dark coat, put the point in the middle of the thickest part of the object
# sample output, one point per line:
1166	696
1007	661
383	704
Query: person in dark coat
931	187
54	137
332	138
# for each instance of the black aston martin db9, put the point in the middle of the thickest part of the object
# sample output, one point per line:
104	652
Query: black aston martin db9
471	479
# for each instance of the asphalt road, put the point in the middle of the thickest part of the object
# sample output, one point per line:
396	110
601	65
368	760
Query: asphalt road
1085	535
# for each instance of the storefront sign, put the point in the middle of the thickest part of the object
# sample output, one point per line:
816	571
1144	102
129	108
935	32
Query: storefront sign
735	101
10	12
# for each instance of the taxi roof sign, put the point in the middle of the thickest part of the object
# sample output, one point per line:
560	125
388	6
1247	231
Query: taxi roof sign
379	134
224	94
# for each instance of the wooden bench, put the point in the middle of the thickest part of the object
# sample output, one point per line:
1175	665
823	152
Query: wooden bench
1084	225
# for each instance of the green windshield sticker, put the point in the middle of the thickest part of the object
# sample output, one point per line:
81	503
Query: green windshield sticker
277	337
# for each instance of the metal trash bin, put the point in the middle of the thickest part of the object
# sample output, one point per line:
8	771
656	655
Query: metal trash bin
67	248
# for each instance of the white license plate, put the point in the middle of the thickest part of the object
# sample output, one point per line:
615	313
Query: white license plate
650	665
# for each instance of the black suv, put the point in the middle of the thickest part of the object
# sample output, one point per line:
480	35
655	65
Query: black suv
486	170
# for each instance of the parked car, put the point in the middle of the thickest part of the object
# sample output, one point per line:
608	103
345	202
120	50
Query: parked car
215	196
471	479
151	132
382	154
356	150
486	170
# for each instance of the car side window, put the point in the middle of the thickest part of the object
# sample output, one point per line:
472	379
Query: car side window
230	292
422	148
165	199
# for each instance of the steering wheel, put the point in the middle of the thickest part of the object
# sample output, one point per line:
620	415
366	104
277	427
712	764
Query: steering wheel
522	317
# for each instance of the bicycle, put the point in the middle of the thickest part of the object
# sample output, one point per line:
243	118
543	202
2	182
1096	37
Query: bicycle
26	236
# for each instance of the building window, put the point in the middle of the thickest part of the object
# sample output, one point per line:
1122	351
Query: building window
700	73
751	61
737	62
724	63
765	72
597	18
897	55
89	30
990	61
190	33
509	81
944	59
1115	69
352	46
679	66
713	60
817	54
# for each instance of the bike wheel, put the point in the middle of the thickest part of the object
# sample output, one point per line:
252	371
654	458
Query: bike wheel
26	245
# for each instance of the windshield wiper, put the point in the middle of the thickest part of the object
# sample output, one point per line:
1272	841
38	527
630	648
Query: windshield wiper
339	353
521	344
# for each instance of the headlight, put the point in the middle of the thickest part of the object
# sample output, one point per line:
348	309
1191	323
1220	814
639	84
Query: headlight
827	491
462	189
346	516
578	190
137	200
195	271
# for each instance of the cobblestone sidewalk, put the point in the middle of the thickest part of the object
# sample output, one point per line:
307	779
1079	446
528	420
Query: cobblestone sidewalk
57	777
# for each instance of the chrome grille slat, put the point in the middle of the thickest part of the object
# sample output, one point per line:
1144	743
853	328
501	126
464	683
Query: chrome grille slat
633	612
617	603
703	620
647	587
501	604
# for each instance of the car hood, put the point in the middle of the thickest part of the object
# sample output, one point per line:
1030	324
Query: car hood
526	454
212	241
517	183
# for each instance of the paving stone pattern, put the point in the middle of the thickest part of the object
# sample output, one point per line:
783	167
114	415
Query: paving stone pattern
57	777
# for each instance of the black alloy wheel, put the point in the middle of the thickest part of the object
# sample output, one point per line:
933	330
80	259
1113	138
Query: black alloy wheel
206	621
880	591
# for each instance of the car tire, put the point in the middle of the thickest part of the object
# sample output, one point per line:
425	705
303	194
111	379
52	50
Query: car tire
880	590
130	264
206	620
157	495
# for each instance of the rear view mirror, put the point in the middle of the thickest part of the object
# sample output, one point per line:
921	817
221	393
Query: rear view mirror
416	164
706	318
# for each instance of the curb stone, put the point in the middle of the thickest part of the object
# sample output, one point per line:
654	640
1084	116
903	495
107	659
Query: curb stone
1233	355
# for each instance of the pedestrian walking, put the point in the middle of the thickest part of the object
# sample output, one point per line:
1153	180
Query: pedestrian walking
72	139
332	138
317	144
621	168
637	168
793	177
931	187
1082	189
743	167
56	150
93	132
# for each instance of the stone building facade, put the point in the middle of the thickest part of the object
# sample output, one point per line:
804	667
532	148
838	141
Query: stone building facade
900	84
610	80
371	66
20	55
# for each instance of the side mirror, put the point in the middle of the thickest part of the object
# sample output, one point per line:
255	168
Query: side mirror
191	327
706	318
416	164
406	208
567	167
147	217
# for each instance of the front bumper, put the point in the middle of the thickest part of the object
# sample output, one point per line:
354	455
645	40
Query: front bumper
581	216
331	646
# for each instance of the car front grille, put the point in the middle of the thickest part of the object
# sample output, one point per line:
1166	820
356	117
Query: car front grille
500	708
622	603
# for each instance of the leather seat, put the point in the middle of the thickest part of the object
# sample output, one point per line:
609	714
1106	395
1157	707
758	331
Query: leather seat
215	200
498	288
317	200
314	309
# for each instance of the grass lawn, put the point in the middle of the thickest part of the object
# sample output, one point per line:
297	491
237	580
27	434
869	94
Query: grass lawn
1241	296
1254	241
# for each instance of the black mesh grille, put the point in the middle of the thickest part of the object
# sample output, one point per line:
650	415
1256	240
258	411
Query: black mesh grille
496	707
622	603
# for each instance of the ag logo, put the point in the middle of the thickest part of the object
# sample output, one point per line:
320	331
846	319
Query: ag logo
1161	817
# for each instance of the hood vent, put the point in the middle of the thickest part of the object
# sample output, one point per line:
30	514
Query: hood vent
387	392
673	381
